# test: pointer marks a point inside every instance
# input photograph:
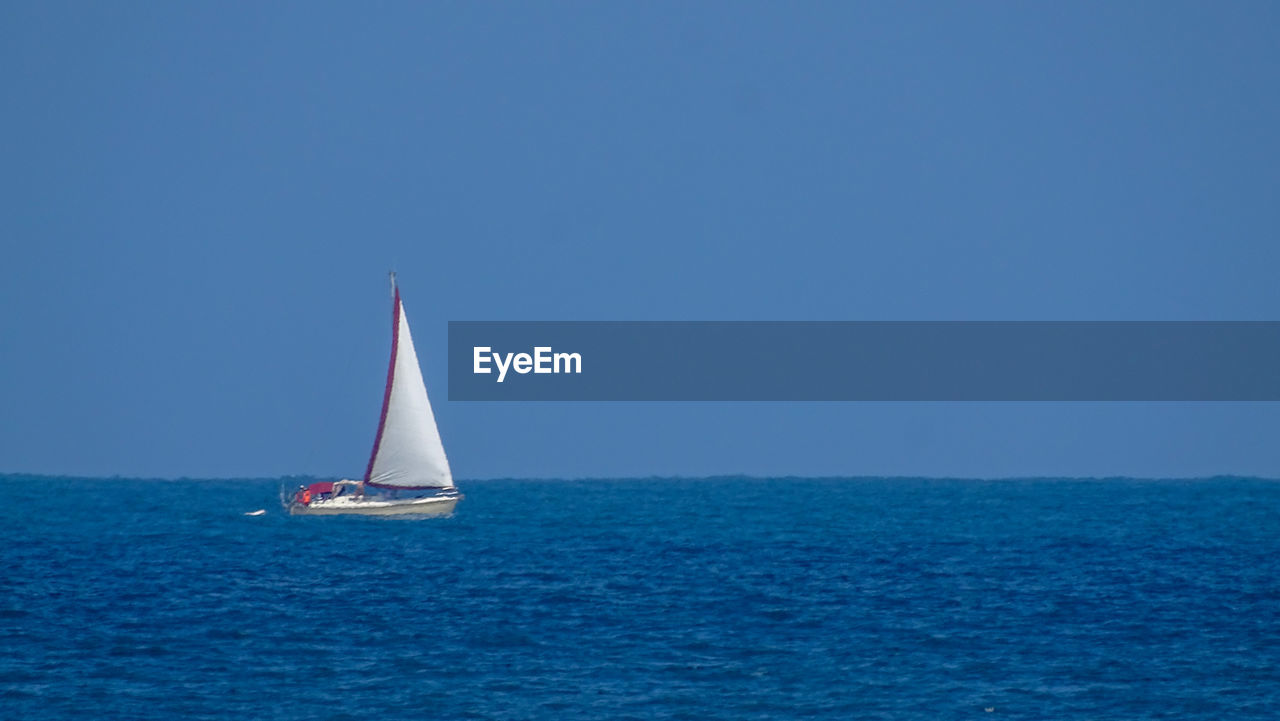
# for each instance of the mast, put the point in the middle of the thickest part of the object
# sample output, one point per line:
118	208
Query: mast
391	374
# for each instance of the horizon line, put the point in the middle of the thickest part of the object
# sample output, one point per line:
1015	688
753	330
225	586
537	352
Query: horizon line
660	478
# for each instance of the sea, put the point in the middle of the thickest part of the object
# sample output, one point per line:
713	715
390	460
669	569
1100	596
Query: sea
709	598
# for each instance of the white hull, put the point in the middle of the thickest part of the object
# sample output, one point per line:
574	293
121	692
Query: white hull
434	506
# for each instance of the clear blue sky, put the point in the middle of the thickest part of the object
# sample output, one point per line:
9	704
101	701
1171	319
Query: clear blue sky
201	199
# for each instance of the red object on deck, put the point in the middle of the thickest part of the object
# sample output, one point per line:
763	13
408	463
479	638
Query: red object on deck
321	487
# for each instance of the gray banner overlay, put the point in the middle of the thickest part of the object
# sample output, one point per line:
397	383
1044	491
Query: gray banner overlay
871	361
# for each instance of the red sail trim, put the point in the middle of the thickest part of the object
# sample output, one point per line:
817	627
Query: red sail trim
391	377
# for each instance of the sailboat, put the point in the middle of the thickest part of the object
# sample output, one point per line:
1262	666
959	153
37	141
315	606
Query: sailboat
408	473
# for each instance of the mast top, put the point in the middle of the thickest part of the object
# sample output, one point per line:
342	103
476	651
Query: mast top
392	275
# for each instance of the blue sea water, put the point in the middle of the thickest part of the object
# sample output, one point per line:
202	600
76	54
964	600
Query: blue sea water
726	598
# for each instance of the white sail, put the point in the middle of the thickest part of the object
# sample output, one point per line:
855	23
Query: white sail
407	452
